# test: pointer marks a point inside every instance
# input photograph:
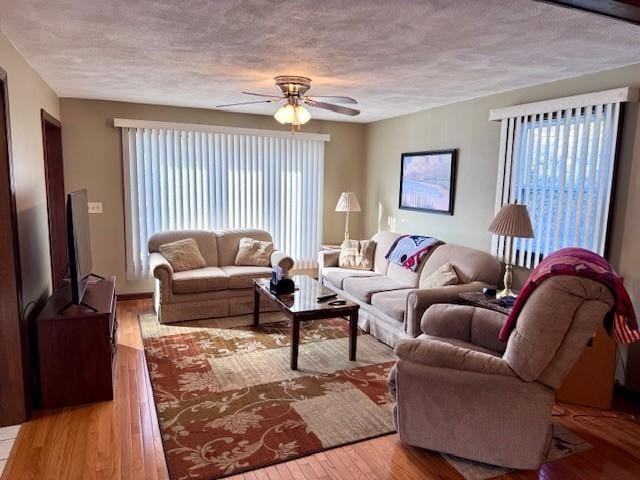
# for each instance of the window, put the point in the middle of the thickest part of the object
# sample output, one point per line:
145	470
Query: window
558	158
199	177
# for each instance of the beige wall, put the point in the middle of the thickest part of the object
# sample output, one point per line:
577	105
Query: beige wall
28	93
465	126
92	159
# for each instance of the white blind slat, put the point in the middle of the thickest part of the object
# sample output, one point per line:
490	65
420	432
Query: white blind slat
613	133
566	139
513	180
523	192
500	183
543	186
531	187
552	180
602	174
582	173
591	176
507	177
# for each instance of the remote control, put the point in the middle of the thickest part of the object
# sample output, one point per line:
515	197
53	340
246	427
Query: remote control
328	296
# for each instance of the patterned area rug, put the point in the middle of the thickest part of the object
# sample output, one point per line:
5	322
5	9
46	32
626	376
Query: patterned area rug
227	401
563	443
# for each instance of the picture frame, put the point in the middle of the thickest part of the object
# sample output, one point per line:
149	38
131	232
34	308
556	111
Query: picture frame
428	181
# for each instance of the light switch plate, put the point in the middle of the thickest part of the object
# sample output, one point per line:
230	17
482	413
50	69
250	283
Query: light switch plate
95	207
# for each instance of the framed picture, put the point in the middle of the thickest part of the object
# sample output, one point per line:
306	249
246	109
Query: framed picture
428	181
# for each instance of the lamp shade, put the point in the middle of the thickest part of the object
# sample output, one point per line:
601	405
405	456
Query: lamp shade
348	202
512	221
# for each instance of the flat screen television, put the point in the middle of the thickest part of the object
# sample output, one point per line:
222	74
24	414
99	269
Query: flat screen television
79	243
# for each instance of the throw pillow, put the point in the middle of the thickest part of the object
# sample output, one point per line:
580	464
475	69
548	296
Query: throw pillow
183	255
357	254
254	253
443	276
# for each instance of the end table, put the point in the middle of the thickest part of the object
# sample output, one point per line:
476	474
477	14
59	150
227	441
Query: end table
479	299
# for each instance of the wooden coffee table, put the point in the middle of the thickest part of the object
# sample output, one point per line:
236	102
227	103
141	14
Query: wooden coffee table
302	305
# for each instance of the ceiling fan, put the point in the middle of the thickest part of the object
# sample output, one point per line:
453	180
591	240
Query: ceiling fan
293	100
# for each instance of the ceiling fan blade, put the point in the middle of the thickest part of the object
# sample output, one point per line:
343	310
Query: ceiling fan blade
331	98
334	108
246	103
262	95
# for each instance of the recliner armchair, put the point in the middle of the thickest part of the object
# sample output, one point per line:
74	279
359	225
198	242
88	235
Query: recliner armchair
460	391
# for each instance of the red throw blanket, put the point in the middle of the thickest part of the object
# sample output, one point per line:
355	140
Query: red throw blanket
621	322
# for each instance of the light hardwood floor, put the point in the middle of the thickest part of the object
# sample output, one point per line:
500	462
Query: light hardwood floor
121	440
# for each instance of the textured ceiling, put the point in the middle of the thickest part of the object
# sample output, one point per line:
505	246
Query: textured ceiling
395	57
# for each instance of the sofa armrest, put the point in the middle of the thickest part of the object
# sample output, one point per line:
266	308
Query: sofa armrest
282	260
327	258
438	354
479	326
162	271
420	299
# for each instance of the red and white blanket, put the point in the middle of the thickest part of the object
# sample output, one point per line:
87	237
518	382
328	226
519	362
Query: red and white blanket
409	250
621	322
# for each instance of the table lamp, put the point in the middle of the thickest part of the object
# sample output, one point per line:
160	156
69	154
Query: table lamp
347	203
511	221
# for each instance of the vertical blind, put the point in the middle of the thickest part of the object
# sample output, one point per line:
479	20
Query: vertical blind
560	163
181	178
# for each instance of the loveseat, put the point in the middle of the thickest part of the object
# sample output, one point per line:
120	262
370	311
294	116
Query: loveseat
221	288
393	299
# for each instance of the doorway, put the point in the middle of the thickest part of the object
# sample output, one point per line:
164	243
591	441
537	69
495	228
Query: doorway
14	394
54	180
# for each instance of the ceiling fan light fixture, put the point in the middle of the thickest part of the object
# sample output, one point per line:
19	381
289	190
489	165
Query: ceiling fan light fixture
303	115
294	114
294	99
284	114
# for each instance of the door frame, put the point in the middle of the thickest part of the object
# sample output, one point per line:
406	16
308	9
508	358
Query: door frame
18	402
48	120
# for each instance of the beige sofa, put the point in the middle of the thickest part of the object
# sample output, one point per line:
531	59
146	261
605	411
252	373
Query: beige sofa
461	391
391	298
220	289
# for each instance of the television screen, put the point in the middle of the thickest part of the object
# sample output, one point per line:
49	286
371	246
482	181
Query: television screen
79	242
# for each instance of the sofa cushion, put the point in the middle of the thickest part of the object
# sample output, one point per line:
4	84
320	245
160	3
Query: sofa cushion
200	280
242	276
471	265
393	303
357	254
384	241
402	275
364	287
207	243
443	276
253	252
229	240
183	255
335	275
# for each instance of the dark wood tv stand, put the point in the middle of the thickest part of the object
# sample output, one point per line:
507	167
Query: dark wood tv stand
77	346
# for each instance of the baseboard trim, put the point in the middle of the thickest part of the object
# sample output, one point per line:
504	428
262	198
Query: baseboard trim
134	296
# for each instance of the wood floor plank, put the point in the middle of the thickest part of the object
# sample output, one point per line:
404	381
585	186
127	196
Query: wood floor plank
260	474
284	472
121	440
318	470
305	469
